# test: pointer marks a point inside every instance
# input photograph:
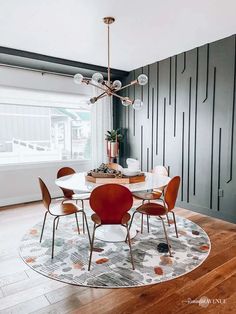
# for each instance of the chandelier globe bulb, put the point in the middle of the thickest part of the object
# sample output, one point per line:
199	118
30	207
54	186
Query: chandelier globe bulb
138	104
97	78
142	79
117	84
78	78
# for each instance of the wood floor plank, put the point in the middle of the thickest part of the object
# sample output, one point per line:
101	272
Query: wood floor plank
32	273
12	278
63	292
104	304
10	266
22	285
29	294
67	305
227	308
218	298
27	307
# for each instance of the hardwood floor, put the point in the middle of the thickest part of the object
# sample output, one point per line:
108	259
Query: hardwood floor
22	290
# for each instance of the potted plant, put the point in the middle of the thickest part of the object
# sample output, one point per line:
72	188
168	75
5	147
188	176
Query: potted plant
113	138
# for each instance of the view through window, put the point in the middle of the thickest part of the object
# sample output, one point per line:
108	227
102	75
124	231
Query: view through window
34	134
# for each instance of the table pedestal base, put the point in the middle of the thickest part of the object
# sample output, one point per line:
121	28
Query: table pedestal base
114	233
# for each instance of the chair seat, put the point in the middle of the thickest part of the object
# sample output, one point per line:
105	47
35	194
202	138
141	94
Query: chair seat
64	209
147	196
84	196
152	209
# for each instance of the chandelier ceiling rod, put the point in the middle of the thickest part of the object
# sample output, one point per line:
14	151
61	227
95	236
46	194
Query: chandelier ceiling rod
110	88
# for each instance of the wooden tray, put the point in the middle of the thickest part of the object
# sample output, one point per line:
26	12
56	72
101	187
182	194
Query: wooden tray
102	175
123	180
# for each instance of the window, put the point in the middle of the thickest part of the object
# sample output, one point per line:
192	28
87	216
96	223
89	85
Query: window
34	134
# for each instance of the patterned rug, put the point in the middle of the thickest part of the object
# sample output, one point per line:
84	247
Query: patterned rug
111	267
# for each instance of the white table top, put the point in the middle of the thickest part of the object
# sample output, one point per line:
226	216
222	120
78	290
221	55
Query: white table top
77	183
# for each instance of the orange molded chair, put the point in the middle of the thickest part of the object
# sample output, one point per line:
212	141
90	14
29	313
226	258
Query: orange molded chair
69	194
111	203
154	195
155	209
57	211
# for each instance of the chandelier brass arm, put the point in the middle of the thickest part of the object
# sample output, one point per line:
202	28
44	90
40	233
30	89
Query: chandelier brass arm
108	87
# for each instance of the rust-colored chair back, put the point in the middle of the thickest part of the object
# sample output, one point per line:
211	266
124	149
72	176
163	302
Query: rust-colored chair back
171	192
65	171
110	202
46	197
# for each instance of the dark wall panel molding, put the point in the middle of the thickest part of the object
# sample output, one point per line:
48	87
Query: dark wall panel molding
188	125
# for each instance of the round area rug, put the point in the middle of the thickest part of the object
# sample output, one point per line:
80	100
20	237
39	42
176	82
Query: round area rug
111	267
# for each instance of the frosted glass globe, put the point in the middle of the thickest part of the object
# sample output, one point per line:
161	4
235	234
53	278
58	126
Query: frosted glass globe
97	78
142	79
117	84
78	78
138	104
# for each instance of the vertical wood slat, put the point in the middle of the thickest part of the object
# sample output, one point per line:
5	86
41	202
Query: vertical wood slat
152	129
219	170
157	110
184	63
207	72
141	147
195	125
170	70
164	134
189	134
148	95
232	119
182	158
134	110
212	137
175	95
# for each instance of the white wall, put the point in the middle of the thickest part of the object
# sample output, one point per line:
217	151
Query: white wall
19	183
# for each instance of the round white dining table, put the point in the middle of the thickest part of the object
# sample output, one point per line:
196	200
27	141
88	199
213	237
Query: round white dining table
111	233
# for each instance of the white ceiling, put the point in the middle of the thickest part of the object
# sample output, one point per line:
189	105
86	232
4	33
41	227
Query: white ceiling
145	31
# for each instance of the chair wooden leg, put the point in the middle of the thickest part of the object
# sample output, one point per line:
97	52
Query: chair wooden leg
129	243
86	222
142	223
53	235
176	231
77	222
91	248
131	221
57	222
168	220
166	236
82	202
148	223
44	220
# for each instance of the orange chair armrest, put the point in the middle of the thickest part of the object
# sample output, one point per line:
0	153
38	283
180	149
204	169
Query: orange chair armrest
96	219
125	218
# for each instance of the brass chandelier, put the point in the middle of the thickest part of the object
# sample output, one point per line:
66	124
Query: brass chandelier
108	87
